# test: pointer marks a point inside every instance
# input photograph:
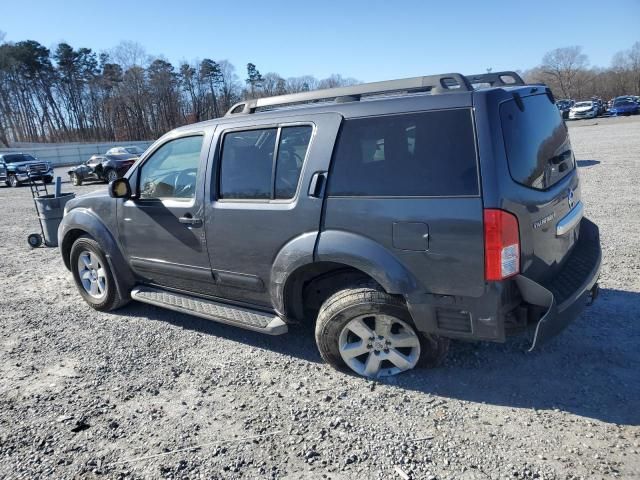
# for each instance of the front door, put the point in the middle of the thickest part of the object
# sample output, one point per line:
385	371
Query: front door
267	190
162	226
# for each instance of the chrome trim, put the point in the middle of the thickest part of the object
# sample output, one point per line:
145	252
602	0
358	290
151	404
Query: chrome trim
570	220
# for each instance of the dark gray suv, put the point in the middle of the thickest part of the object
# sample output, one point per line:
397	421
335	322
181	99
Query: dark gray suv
395	215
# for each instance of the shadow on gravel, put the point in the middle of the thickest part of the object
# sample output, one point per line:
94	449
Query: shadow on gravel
588	163
590	369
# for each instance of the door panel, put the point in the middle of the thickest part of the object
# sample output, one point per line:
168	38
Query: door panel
244	235
162	228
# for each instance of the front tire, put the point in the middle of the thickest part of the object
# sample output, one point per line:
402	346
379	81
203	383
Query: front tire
13	181
93	277
372	333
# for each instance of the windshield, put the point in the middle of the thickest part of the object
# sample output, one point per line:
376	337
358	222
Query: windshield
18	157
621	102
583	104
134	150
536	142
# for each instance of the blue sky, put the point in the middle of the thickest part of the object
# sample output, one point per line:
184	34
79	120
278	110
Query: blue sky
365	39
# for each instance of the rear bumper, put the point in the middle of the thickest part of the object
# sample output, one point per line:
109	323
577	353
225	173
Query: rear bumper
564	297
513	306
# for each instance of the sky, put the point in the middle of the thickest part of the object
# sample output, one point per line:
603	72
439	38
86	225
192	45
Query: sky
368	40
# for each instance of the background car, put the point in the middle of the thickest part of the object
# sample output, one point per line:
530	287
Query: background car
564	106
624	106
585	109
15	168
108	167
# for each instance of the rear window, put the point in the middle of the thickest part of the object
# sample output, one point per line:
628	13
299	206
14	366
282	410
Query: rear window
417	154
536	142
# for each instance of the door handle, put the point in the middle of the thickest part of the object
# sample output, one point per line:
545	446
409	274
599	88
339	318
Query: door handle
189	220
316	186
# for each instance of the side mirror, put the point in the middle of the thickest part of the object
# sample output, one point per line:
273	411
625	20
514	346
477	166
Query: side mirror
120	188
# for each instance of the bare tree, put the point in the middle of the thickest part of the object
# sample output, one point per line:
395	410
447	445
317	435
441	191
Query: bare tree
565	68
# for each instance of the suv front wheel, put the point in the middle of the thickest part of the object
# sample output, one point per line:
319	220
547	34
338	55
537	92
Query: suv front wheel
93	276
372	333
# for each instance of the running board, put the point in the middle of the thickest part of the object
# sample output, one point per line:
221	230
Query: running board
218	312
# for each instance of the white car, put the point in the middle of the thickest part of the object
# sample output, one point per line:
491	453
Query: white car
583	110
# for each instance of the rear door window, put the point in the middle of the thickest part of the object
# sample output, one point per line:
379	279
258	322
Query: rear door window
536	142
416	154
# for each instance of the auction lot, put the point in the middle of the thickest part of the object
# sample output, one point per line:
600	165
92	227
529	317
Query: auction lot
145	392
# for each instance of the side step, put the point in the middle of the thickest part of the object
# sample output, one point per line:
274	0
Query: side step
218	312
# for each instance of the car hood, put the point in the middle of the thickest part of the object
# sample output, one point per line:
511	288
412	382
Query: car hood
580	109
87	199
624	107
24	164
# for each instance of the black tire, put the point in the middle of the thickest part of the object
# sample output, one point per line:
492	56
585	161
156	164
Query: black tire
110	175
112	299
13	181
34	240
75	180
340	308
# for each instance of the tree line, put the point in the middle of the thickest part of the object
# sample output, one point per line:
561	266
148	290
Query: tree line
69	94
75	94
566	71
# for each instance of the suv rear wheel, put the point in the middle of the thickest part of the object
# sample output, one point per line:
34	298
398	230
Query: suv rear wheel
372	333
93	276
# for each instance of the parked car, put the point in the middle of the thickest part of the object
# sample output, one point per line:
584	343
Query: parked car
392	222
564	106
108	167
15	169
587	109
624	106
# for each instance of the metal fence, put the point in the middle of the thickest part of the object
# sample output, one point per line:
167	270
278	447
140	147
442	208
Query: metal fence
61	154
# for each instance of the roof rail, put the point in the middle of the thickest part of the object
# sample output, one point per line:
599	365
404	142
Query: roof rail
497	79
444	83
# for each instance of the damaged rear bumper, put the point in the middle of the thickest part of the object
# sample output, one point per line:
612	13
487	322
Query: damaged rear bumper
565	296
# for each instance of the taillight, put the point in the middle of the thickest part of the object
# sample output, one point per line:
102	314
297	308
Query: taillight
501	245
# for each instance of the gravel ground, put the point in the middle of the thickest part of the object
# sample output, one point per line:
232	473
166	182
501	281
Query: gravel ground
148	393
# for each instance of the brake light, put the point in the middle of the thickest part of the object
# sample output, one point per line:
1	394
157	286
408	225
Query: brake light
501	245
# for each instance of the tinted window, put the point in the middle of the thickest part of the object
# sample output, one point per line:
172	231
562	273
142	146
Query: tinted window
247	170
536	142
172	169
247	159
294	142
418	154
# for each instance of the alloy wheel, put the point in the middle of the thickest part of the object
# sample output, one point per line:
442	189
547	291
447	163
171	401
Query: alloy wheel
379	345
93	276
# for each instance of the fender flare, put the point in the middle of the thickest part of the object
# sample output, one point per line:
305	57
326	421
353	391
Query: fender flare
369	257
85	220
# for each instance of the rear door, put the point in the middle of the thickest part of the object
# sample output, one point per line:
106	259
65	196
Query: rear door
541	184
410	183
267	189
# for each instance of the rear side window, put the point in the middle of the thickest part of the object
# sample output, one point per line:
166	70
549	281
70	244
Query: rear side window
248	170
417	154
536	142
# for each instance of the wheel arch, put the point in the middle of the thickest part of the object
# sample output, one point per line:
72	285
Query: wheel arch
81	221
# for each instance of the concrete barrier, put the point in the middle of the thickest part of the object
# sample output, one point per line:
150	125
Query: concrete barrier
62	154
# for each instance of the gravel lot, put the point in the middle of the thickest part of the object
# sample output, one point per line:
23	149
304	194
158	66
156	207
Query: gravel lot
146	392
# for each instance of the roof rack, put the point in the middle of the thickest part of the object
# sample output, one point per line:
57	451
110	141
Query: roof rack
448	82
434	84
497	79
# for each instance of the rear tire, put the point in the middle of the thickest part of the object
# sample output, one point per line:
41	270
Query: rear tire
111	176
93	276
372	333
75	180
